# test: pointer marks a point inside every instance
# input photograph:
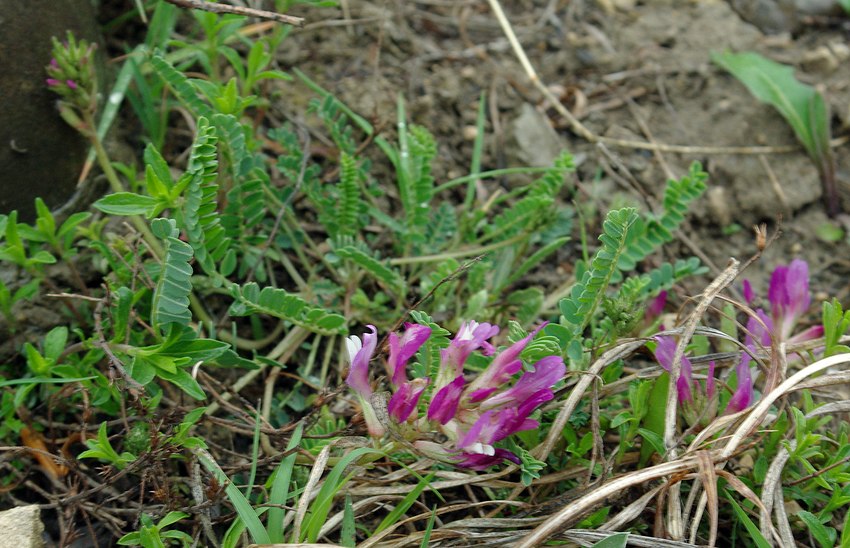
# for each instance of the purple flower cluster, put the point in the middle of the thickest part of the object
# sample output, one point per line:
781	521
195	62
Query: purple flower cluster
468	417
71	74
789	299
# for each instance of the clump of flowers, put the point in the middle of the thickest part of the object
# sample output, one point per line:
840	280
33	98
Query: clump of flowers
71	75
698	400
789	299
465	417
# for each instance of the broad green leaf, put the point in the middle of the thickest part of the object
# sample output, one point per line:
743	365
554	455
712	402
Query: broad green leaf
773	83
616	540
128	203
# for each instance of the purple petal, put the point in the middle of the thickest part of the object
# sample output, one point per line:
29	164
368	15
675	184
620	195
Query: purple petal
471	336
797	287
359	354
789	294
480	461
743	395
71	84
664	353
814	332
505	365
481	432
405	400
52	82
710	381
759	330
547	372
683	389
477	395
776	292
403	348
656	306
443	406
749	294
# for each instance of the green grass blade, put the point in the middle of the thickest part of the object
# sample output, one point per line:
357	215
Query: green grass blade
280	487
321	506
405	504
751	527
243	508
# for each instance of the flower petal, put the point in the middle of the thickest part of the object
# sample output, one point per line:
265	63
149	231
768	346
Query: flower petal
403	348
749	294
405	400
656	306
480	461
547	372
443	406
359	354
471	336
504	366
743	395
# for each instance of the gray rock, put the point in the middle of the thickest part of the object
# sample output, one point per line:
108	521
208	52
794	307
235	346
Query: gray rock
21	528
537	143
40	155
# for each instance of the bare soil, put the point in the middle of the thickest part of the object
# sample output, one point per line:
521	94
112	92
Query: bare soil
626	69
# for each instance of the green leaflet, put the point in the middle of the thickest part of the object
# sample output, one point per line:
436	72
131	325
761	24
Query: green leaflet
181	86
586	295
281	304
650	234
171	295
200	210
388	276
350	205
232	137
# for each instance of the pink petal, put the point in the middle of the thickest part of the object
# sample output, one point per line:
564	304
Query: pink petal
403	348
443	406
404	401
358	373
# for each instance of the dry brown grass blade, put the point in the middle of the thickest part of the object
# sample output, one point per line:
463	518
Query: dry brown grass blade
675	523
771	494
414	538
632	511
708	477
588	537
573	510
748	494
757	414
620	350
312	482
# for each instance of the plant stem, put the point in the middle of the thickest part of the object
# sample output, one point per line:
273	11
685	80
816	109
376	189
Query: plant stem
115	184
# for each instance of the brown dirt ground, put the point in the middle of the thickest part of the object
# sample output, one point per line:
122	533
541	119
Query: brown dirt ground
639	72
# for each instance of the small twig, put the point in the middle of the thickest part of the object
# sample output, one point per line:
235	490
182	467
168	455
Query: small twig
238	10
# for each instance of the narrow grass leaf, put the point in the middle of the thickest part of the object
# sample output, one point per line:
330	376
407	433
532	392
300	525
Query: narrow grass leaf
751	527
280	487
243	508
405	504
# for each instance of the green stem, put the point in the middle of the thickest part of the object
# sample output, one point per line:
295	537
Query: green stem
461	253
115	184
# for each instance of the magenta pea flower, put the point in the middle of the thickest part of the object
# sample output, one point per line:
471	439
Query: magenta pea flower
698	401
403	348
469	415
789	299
360	353
655	306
